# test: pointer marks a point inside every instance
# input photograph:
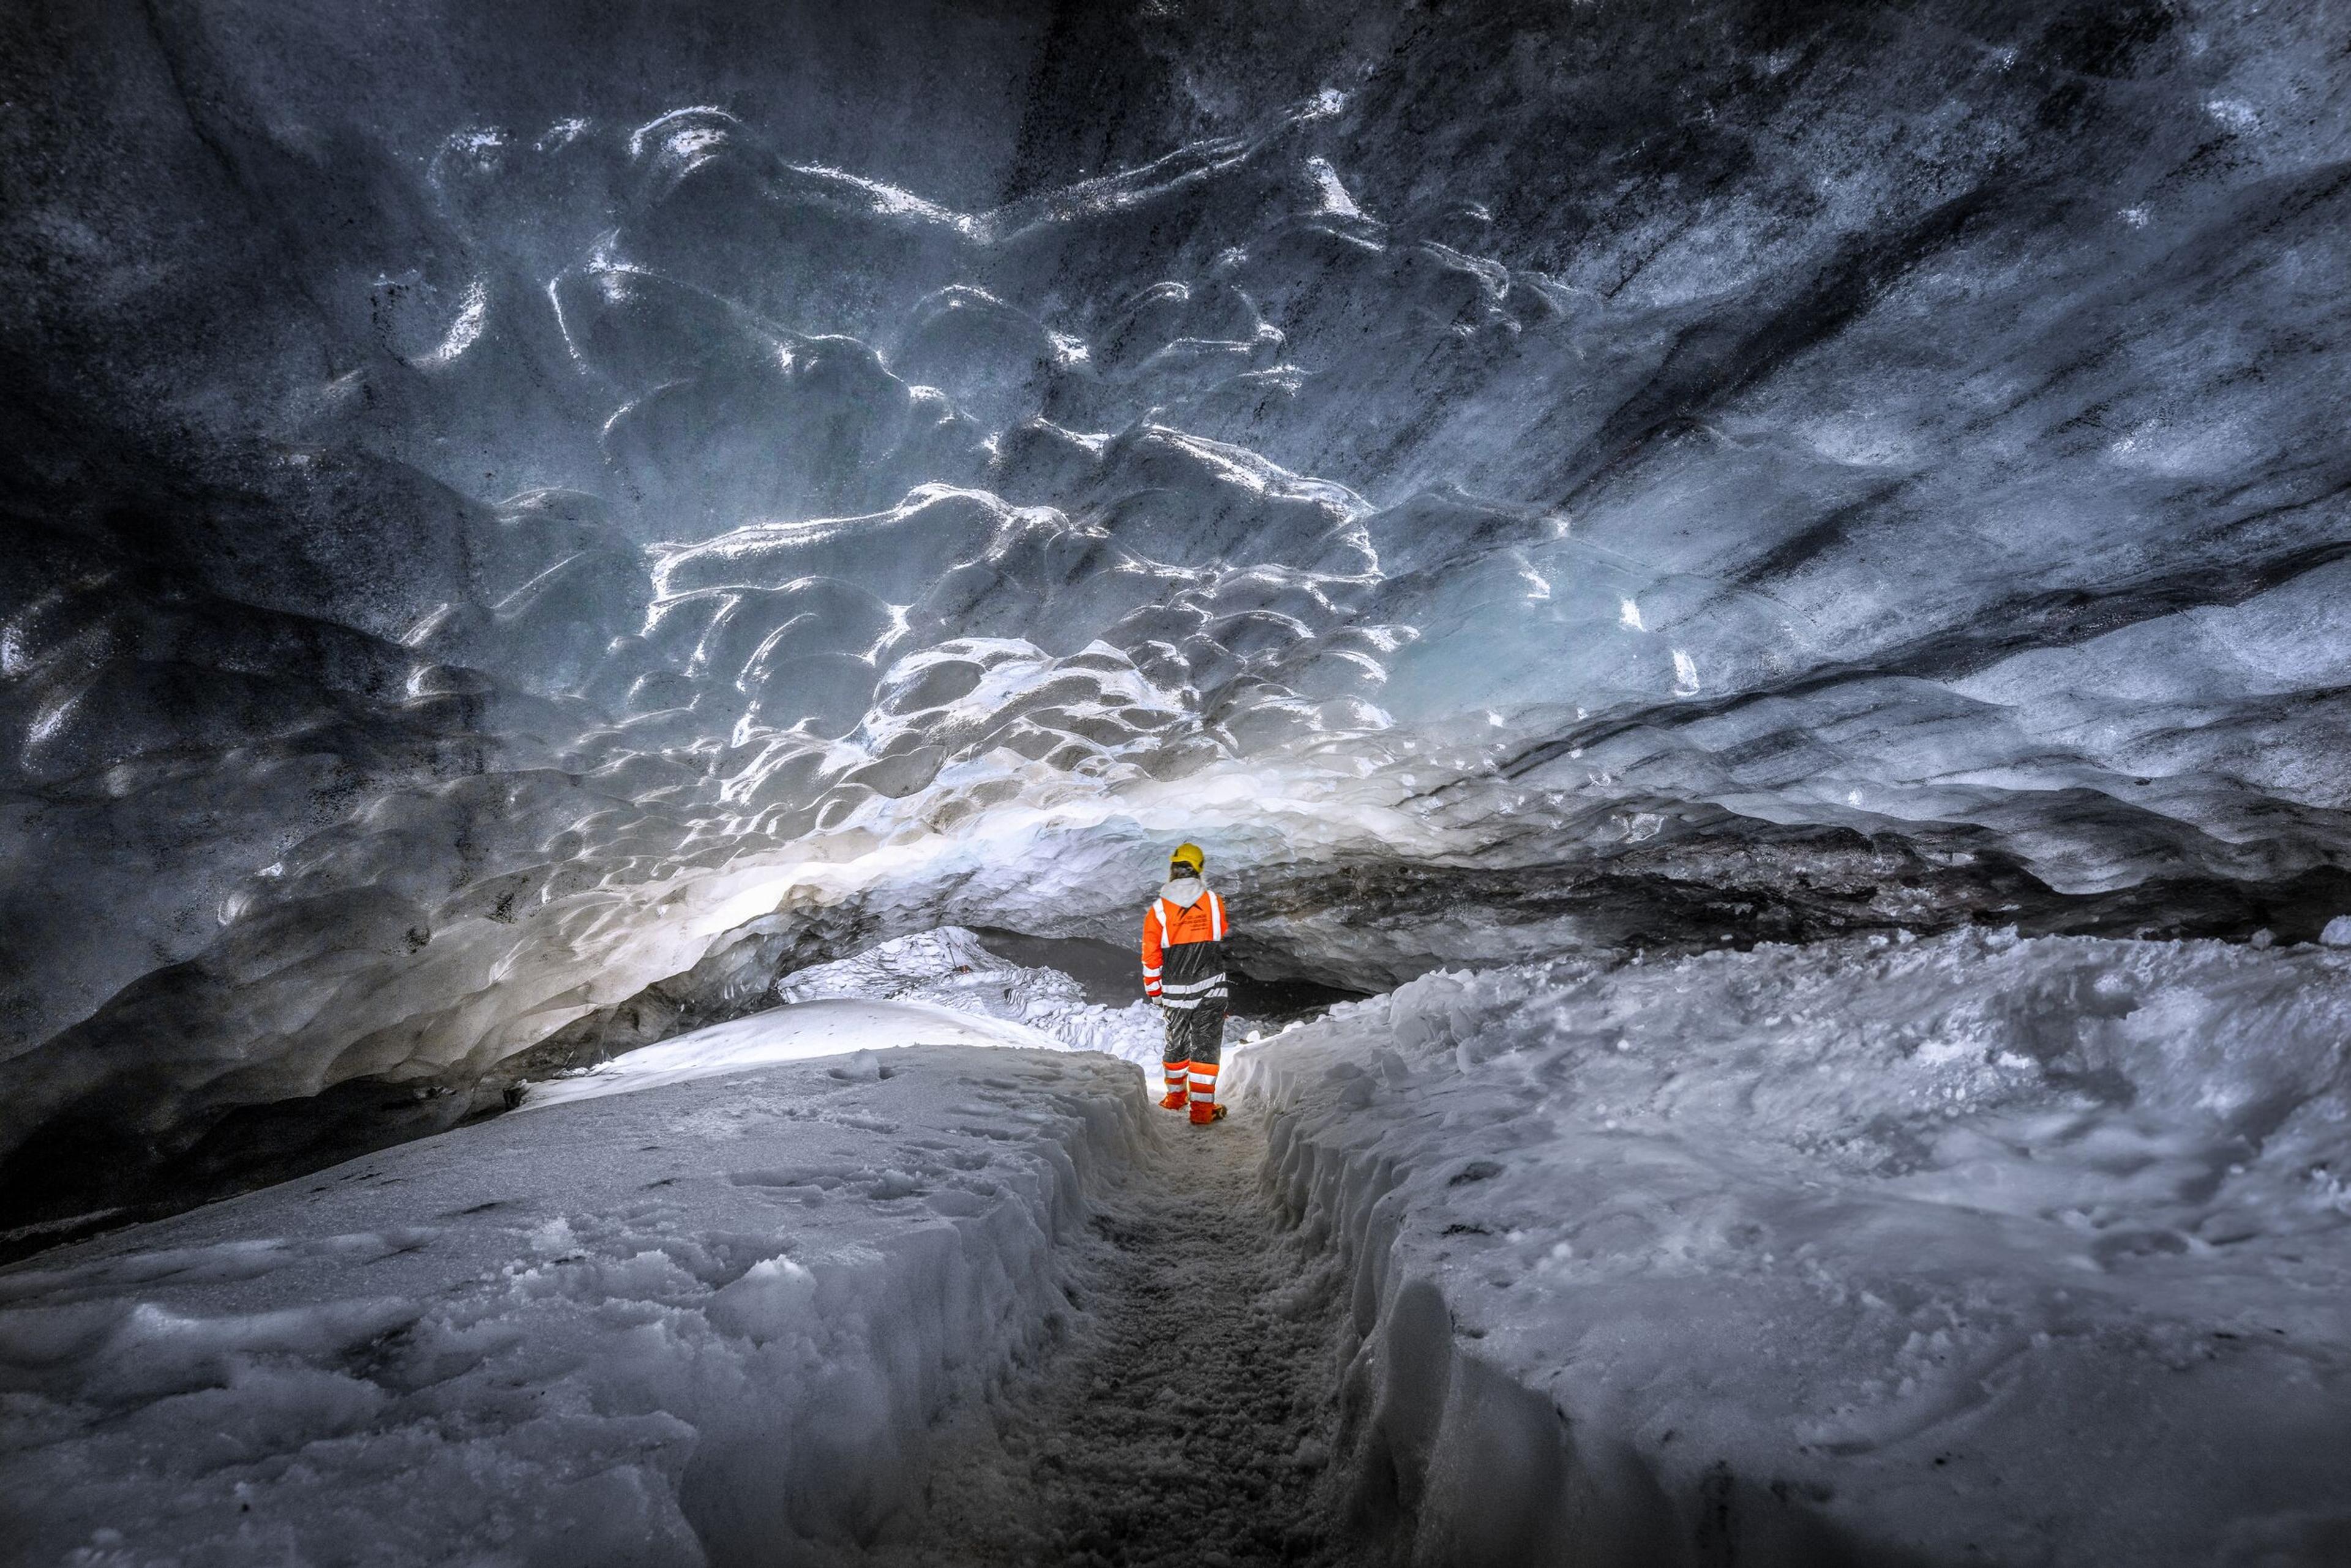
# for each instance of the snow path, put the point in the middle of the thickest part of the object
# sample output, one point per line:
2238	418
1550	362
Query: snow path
1185	1421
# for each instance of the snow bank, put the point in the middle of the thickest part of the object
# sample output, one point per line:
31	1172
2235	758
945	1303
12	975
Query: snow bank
709	1322
799	1032
951	968
939	987
1971	1249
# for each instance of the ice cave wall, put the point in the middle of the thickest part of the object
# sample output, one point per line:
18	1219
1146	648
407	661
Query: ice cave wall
531	519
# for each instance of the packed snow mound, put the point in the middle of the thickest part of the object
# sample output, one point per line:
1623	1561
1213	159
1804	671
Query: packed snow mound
713	1321
488	537
1965	1248
953	968
934	988
796	1032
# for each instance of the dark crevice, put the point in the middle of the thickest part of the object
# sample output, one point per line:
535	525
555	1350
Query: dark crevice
1111	974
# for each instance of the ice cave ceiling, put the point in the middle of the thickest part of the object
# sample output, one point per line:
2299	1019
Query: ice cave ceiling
515	504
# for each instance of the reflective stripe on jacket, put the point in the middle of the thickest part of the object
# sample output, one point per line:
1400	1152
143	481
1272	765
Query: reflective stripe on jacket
1183	946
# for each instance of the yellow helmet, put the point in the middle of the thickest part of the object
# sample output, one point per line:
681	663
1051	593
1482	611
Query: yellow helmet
1188	855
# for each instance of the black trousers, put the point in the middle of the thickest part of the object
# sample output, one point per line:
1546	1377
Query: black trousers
1196	1034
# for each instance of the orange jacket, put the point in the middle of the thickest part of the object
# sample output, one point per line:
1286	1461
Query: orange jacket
1171	924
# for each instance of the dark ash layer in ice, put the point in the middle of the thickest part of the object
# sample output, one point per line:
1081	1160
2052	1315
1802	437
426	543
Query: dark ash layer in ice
500	507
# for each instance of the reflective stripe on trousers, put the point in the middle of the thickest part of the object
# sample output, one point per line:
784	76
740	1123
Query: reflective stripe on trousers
1197	1033
1183	994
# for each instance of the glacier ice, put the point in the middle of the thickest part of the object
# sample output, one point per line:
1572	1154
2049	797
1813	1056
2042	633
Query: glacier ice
1740	480
693	488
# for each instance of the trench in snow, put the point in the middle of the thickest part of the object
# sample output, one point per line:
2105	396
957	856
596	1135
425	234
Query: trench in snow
1185	1416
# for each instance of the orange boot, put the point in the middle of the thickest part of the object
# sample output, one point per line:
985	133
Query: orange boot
1179	1086
1205	1108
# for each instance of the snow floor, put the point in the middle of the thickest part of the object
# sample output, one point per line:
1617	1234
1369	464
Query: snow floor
1960	1251
798	1031
951	967
789	1289
712	1321
1963	1251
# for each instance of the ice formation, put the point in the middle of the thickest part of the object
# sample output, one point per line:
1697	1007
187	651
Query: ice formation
486	539
539	532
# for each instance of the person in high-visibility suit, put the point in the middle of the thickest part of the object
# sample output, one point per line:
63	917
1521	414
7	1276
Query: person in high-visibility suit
1183	971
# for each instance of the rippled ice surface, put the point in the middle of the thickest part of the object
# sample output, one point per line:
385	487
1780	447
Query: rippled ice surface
510	541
